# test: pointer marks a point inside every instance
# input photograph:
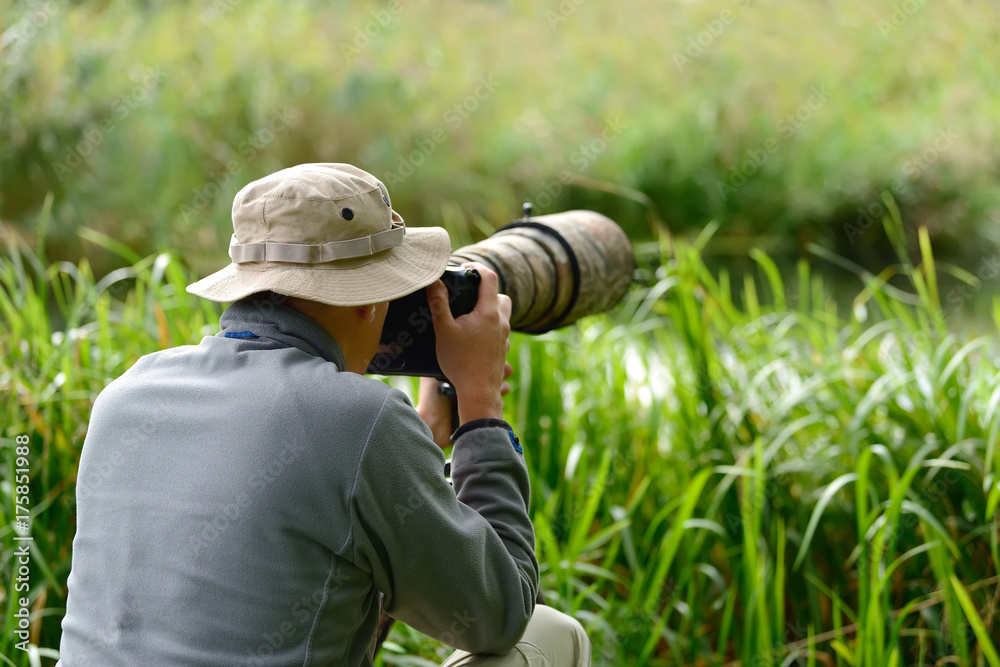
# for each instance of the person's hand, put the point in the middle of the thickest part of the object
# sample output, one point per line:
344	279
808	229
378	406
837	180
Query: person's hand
437	411
472	349
508	370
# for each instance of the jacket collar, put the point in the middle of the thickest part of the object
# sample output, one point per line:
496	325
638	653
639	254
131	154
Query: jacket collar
281	323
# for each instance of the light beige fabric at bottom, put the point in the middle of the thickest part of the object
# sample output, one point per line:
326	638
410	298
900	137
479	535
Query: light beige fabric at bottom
552	639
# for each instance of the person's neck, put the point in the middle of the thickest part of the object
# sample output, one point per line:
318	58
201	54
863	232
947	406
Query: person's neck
348	325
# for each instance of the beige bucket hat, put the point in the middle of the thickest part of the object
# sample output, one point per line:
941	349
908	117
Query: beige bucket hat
324	232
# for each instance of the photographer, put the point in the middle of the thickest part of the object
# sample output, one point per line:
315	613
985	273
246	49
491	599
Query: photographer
254	500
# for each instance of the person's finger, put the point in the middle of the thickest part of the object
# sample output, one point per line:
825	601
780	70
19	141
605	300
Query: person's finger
505	389
504	305
484	271
437	300
428	386
488	287
508	370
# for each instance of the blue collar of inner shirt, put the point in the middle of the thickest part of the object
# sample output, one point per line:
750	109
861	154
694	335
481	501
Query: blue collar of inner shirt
263	318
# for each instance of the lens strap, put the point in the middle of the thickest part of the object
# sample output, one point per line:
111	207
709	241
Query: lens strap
574	265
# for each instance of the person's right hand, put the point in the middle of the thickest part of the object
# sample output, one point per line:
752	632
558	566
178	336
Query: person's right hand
472	349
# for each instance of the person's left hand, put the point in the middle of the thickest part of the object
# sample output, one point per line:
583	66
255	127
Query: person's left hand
437	410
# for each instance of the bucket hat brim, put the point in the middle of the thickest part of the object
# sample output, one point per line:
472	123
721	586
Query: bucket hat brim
390	274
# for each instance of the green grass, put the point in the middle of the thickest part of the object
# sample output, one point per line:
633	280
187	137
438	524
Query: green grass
722	470
179	144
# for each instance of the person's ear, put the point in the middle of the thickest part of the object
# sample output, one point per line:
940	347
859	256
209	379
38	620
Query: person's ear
367	313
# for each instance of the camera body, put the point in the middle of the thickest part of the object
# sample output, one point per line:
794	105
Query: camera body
554	268
408	344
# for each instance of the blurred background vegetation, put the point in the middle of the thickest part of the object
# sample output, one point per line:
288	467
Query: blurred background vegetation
779	120
796	461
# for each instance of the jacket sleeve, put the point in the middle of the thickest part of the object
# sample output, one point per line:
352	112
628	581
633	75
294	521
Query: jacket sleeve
460	568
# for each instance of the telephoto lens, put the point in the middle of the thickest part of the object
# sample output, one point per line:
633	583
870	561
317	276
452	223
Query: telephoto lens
556	268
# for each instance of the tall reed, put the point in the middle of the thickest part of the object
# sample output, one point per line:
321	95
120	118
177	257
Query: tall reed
723	471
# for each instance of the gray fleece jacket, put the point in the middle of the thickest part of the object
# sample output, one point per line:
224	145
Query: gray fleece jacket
243	501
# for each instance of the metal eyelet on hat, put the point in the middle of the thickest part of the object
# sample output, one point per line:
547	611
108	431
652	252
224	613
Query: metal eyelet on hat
386	200
347	213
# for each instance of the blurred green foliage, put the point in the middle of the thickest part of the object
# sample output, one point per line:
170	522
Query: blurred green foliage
144	118
778	483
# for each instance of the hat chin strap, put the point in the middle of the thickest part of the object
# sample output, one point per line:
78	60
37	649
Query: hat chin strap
306	253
